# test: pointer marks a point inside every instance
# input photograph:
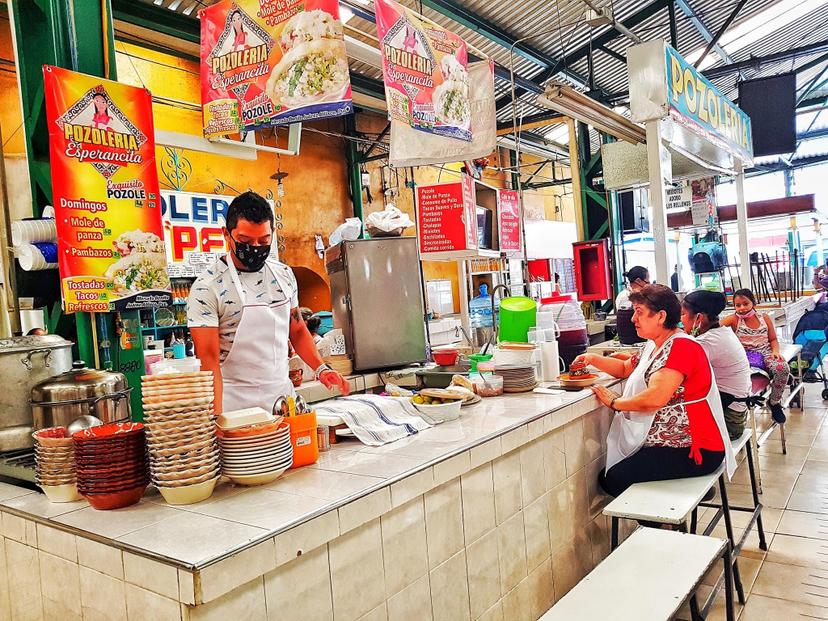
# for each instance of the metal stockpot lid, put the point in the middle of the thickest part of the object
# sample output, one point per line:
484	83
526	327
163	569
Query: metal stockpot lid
79	384
22	344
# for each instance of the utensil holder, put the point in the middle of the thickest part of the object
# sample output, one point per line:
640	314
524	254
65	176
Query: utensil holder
303	439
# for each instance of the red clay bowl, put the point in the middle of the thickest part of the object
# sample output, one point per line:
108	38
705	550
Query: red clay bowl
115	500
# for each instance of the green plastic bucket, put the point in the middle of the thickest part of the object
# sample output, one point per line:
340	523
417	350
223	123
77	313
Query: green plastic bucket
517	315
475	358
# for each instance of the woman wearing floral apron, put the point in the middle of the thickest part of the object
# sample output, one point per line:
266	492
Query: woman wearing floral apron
668	423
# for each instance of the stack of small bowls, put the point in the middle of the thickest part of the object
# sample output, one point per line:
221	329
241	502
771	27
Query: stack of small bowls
111	464
184	456
55	464
256	454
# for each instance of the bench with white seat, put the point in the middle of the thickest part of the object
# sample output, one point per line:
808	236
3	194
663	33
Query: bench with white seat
649	577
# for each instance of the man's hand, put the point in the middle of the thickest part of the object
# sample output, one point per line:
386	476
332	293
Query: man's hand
331	379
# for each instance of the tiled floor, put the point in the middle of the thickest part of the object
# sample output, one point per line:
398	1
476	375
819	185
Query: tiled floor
790	580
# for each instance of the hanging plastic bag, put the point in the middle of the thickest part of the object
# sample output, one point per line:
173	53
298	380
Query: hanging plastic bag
350	230
391	222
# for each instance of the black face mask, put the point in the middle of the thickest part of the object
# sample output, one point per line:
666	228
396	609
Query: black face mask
252	257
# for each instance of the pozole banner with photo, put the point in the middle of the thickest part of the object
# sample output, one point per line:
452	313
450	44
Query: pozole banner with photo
105	191
272	62
425	71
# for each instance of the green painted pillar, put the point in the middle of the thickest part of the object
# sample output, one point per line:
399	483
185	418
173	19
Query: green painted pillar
74	34
354	172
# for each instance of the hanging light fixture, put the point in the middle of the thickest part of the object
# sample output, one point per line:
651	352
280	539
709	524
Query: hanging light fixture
581	107
279	177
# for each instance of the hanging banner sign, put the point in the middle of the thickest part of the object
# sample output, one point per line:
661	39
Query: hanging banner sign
447	220
508	216
111	252
272	62
193	231
663	84
424	69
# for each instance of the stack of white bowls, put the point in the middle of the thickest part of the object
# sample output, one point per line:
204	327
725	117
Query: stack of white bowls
256	454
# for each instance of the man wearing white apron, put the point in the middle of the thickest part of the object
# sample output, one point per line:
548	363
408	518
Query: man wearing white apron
668	423
243	311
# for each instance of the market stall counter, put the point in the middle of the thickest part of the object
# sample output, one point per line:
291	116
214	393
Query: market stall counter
498	511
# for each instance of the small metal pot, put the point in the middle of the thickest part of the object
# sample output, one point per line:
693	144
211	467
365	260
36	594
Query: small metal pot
61	400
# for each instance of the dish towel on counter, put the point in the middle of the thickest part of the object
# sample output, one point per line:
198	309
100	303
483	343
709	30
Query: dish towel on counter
375	420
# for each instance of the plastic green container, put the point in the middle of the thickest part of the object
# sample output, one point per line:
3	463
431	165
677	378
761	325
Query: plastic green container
517	315
475	358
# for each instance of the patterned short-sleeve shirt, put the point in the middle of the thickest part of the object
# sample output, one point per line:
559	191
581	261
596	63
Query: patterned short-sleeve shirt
214	301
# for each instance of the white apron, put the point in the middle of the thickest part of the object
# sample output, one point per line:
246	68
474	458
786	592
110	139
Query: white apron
629	430
255	372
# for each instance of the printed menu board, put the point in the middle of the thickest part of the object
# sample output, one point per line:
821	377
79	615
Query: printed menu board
447	220
424	68
111	253
272	62
508	209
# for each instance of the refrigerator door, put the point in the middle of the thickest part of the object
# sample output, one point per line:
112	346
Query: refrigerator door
386	302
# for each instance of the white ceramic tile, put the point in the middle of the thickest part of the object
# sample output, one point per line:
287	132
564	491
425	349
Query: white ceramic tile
484	573
246	603
536	428
596	428
302	587
5	604
506	471
477	488
31	533
59	611
486	452
452	468
151	575
495	613
578	489
536	526
380	613
40	506
57	542
444	522
186	587
516	603
450	590
24	581
143	604
224	576
574	446
532	474
13	527
370	464
541	589
60	581
120	522
307	537
100	557
357	575
365	509
12	491
408	604
415	485
192	538
263	508
514	439
554	458
560	516
323	484
511	546
404	548
102	594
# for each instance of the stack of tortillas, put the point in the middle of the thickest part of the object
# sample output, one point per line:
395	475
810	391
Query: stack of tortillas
178	413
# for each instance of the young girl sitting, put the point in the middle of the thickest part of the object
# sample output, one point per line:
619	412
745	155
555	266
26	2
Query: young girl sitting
758	337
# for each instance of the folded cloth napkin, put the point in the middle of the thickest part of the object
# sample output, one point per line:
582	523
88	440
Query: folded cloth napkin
375	420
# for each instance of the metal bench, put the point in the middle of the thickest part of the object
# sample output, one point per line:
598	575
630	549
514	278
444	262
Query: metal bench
790	352
649	576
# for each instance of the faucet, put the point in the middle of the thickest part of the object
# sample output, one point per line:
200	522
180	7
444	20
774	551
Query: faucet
494	322
458	330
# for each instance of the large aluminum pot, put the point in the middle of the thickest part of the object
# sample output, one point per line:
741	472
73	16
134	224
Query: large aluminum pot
24	362
61	400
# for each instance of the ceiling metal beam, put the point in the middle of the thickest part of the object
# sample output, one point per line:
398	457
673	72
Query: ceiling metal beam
535	118
822	132
715	41
583	52
609	52
759	61
800	162
703	31
458	13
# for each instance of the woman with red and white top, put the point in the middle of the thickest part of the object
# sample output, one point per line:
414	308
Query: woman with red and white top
668	424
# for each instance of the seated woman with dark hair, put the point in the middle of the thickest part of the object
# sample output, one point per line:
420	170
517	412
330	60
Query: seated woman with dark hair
668	424
700	317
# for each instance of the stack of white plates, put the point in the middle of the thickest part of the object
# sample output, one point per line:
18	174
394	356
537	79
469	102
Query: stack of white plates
256	454
184	455
517	378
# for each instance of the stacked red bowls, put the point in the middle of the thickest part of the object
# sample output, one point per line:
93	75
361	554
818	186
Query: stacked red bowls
111	464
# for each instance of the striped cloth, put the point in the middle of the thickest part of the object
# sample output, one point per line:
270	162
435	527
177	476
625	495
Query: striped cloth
375	420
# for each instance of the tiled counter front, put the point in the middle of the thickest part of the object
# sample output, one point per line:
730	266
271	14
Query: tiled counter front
499	531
